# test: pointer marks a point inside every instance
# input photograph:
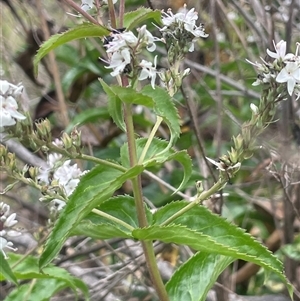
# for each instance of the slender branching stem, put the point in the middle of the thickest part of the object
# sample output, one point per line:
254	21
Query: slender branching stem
138	198
150	138
113	219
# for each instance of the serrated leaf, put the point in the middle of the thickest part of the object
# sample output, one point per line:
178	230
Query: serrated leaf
134	18
99	231
6	271
193	279
239	244
182	235
121	207
156	154
88	116
117	95
94	188
81	31
165	108
27	268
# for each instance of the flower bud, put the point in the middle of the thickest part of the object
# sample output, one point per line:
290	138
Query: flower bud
33	172
76	137
254	109
3	151
67	140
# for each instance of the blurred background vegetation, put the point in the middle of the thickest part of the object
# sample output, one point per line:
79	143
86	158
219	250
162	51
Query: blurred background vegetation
265	196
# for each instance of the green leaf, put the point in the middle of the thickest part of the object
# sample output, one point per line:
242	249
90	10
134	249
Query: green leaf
117	95
115	108
88	116
6	271
121	207
42	290
94	188
193	279
58	278
99	231
81	31
165	108
134	18
238	243
156	154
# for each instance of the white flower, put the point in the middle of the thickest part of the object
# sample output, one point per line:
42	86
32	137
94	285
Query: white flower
146	37
254	108
121	40
64	174
290	74
148	71
6	244
280	51
183	19
7	221
8	104
8	89
87	4
119	61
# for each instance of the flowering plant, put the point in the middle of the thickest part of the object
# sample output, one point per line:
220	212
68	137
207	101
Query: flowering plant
87	203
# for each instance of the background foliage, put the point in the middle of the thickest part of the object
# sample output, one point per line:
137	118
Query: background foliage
264	198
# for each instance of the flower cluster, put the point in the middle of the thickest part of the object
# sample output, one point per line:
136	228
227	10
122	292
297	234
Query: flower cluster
284	69
8	104
124	47
180	30
62	175
7	221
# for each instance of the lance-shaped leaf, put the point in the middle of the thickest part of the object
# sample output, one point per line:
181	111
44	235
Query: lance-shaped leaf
156	154
94	188
6	272
179	234
134	18
81	31
165	108
57	279
121	207
193	279
239	244
117	95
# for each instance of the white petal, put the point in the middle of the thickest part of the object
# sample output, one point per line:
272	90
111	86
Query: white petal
291	85
4	86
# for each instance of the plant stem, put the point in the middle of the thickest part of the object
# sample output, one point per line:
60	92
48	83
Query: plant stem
101	161
138	198
86	157
200	198
112	218
150	138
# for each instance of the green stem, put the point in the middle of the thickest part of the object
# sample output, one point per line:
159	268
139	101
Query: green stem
151	136
203	196
101	161
87	158
138	198
114	219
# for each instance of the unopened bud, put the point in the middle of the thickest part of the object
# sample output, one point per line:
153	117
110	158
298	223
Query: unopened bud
3	151
76	137
67	140
11	161
199	187
33	172
254	109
